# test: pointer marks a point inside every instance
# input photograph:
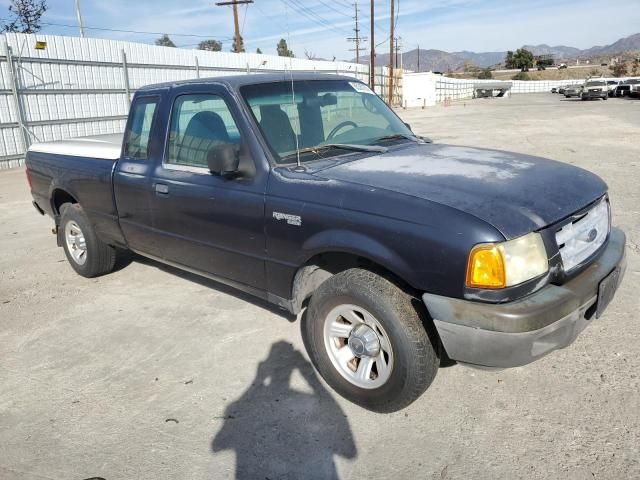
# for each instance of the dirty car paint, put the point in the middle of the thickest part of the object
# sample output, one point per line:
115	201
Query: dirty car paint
515	193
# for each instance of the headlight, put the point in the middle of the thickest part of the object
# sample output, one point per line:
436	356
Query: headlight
499	265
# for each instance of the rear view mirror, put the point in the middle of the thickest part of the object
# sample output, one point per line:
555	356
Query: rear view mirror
223	159
329	99
321	101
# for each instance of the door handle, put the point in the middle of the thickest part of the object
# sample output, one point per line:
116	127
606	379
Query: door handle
162	188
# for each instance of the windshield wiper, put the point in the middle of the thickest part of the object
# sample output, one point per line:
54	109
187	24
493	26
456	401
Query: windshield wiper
339	146
399	136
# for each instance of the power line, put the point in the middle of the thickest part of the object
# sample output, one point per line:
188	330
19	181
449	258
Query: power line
334	9
130	31
311	15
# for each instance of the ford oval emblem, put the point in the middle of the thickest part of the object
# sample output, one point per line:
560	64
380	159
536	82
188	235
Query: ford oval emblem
591	236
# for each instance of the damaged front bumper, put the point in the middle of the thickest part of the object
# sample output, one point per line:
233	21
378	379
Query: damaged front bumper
516	333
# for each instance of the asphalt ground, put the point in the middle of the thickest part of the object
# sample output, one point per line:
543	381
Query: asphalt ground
152	373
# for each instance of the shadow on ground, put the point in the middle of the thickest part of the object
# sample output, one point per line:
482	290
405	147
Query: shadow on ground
280	432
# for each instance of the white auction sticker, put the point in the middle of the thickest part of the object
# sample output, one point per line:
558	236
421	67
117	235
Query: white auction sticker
361	88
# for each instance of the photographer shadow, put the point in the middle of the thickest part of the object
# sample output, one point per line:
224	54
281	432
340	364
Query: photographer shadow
280	432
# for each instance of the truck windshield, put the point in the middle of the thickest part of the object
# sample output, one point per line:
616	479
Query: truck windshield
321	112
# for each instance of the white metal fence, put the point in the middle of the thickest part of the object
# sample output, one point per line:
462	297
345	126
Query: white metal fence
539	86
82	86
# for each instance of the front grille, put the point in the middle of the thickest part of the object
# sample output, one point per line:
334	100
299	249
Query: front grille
581	238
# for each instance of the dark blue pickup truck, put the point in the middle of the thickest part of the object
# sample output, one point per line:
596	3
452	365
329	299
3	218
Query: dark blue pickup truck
309	192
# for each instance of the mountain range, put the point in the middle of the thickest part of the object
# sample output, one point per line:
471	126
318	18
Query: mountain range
439	60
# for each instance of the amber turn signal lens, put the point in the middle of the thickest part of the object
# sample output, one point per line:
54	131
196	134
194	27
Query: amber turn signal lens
486	267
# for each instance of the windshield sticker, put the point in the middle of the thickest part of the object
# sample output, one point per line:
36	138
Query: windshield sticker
361	88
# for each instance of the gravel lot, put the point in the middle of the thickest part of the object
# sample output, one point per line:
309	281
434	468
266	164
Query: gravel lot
152	373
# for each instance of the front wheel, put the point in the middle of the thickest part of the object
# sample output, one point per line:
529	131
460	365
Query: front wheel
367	340
88	255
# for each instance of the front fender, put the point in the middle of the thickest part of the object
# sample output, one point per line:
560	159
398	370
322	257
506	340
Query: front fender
355	243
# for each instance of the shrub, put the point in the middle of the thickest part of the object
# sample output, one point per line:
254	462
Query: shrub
485	74
521	76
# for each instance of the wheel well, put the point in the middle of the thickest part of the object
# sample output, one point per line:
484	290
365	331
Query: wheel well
322	266
59	198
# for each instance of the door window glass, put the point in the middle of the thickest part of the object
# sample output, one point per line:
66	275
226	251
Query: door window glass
198	124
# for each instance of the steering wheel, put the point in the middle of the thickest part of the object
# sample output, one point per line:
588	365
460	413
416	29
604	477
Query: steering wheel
340	126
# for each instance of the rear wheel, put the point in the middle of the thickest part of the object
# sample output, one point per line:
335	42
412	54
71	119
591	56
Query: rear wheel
88	255
367	340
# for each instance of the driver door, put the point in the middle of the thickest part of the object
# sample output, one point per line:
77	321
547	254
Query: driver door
208	223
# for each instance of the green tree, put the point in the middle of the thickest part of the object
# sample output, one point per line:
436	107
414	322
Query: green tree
521	58
485	74
283	49
258	50
210	45
619	69
241	46
508	60
25	16
165	41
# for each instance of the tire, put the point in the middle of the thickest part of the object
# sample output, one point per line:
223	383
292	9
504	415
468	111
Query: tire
567	96
408	358
88	255
605	98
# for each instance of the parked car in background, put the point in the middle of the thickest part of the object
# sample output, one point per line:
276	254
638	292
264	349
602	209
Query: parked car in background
611	87
594	89
625	87
554	90
573	91
562	66
562	89
403	252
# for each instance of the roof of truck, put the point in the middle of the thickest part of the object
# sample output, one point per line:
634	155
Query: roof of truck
235	81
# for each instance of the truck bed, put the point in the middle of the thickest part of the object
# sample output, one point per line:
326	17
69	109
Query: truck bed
105	147
83	168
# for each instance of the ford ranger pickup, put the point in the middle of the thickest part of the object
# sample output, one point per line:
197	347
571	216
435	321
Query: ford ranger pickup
309	192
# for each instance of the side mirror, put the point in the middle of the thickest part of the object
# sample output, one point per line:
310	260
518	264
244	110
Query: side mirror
223	159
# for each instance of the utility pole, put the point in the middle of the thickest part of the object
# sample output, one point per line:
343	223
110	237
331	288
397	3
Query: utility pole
372	59
398	46
79	17
391	27
418	58
236	24
357	39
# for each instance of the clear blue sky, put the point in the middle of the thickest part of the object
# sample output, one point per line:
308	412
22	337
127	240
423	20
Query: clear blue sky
321	26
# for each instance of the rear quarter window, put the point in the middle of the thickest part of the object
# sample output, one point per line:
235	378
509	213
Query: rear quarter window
136	137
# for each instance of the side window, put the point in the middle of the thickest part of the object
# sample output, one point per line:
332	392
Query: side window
136	141
199	123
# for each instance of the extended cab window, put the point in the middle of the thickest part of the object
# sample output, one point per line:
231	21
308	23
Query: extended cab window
136	141
199	123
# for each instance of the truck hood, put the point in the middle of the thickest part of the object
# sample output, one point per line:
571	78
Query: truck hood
515	193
